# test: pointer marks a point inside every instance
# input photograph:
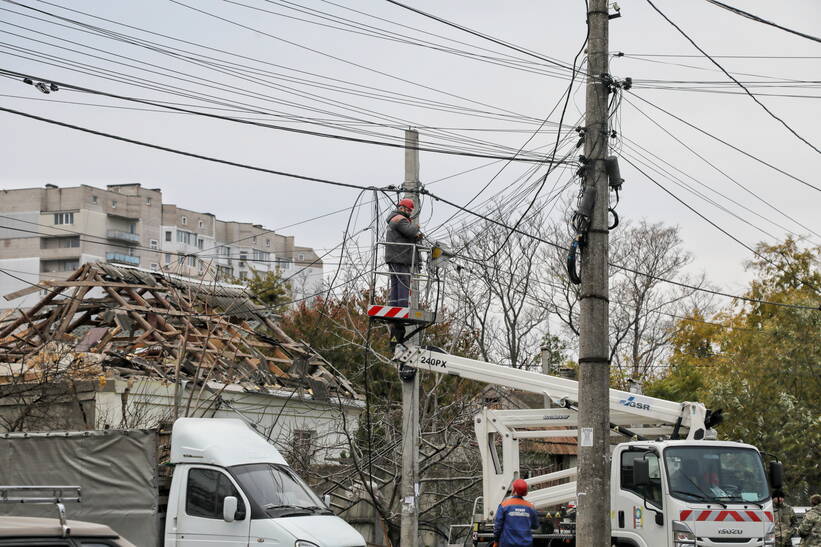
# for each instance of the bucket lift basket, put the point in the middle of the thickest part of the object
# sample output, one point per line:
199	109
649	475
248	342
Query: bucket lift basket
425	287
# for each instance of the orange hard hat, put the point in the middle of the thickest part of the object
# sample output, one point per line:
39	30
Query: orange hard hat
405	203
520	487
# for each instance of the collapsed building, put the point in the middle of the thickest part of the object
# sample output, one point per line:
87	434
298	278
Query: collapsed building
121	347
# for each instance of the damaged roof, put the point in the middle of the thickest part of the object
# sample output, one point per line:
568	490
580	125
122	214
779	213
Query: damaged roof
150	323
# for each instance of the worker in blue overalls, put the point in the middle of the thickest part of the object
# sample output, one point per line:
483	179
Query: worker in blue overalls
515	519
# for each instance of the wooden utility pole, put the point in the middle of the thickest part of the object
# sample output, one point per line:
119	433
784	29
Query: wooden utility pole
410	387
593	484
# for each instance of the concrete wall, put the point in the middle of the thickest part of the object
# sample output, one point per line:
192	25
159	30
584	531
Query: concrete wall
148	401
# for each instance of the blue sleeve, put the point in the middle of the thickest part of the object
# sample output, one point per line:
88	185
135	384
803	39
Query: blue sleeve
534	519
498	522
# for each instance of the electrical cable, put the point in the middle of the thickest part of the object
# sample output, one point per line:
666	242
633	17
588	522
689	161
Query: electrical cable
753	97
760	20
185	58
257	124
692	209
336	58
558	134
347	185
480	34
731	179
722	141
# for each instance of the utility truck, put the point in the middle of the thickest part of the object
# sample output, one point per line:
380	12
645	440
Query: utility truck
221	483
672	484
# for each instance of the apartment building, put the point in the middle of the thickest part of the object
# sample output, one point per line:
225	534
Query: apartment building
46	233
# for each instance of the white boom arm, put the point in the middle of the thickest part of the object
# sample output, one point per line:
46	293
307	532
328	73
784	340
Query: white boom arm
645	416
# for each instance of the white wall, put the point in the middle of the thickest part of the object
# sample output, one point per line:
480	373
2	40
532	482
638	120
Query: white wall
151	400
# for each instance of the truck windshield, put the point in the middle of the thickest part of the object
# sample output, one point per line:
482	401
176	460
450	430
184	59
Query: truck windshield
277	490
716	474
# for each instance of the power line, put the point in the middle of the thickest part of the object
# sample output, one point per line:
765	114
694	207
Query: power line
686	56
264	125
558	134
625	268
722	141
747	91
215	64
357	187
738	184
700	215
336	58
760	20
481	35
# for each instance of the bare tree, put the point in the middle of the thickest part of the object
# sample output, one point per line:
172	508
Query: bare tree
643	307
496	287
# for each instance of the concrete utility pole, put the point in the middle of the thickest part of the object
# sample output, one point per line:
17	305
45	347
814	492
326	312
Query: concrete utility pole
593	480
410	388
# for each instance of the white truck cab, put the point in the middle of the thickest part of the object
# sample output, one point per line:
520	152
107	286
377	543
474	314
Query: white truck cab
685	493
231	488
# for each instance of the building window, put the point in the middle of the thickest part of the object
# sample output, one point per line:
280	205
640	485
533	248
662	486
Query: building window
148	201
267	242
53	266
168	258
113	203
254	239
200	243
63	218
59	242
261	256
189	238
201	224
301	257
192	260
155	267
243	258
154	244
184	221
243	275
94	199
168	236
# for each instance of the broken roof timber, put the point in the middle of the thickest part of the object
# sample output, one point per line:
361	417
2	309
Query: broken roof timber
155	321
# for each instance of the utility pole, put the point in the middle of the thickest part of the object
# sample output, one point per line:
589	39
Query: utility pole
410	386
593	479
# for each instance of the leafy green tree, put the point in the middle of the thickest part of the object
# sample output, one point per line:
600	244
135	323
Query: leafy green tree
269	288
761	363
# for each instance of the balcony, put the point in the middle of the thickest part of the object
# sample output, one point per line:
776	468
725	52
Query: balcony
119	235
119	258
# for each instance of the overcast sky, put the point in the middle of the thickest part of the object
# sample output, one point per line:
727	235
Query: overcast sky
505	106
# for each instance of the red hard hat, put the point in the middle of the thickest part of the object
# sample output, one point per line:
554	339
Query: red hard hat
520	487
405	203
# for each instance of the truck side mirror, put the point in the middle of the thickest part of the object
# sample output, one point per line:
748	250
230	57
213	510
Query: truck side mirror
229	508
776	475
641	473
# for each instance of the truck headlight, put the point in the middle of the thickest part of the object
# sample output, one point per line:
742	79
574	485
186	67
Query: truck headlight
682	536
303	543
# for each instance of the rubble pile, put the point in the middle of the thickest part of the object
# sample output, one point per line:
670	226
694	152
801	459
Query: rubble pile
105	320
